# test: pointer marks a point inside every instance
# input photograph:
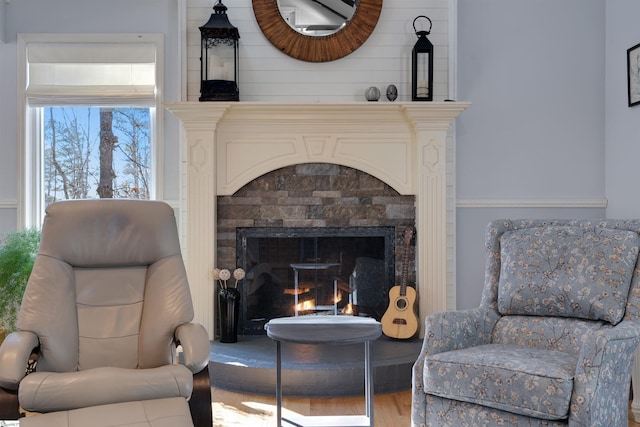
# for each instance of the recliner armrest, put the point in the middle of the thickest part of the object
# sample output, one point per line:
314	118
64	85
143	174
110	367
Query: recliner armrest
14	357
194	339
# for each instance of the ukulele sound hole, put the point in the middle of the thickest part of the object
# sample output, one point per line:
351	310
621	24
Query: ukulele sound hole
401	304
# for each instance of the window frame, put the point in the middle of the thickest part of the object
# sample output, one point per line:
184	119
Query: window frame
31	130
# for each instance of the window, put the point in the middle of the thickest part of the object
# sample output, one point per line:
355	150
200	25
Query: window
96	152
91	128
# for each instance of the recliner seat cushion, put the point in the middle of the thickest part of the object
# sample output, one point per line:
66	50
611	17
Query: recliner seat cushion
567	271
527	381
50	391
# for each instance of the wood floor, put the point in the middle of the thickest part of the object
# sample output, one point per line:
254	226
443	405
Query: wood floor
241	409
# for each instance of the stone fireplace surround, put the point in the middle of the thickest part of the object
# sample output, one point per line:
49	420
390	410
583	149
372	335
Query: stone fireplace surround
317	199
405	145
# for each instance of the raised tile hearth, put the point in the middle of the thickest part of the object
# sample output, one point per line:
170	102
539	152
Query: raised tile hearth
248	366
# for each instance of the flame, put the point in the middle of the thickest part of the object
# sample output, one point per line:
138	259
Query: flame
337	298
306	305
299	292
348	309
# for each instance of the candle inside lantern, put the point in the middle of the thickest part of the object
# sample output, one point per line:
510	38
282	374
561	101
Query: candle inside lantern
227	71
216	69
423	88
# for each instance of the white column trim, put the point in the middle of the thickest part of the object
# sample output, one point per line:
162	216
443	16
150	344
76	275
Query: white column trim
199	126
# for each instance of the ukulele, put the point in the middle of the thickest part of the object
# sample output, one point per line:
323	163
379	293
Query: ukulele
400	320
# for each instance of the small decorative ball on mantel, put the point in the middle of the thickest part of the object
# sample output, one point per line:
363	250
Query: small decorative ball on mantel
372	94
392	93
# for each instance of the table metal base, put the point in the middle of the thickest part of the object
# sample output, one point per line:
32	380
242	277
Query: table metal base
328	420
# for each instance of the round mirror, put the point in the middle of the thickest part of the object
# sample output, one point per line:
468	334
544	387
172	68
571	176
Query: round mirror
329	38
317	17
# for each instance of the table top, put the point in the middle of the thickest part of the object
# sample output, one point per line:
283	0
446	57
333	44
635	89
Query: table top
324	329
313	266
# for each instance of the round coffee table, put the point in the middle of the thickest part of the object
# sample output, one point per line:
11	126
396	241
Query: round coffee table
326	329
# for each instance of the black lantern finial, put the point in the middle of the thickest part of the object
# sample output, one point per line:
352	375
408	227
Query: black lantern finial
219	57
422	65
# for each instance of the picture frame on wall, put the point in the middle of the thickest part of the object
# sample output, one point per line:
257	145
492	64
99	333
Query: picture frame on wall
633	75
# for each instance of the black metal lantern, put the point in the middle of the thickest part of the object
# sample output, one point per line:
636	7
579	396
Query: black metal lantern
219	57
422	65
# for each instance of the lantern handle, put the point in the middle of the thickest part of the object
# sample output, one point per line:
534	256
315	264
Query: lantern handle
430	25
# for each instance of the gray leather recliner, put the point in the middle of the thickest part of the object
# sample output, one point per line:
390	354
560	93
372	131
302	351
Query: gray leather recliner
106	305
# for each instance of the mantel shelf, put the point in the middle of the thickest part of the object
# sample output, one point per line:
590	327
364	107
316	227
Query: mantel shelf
433	110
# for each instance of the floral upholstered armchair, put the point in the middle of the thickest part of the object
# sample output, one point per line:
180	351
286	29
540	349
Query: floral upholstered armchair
553	340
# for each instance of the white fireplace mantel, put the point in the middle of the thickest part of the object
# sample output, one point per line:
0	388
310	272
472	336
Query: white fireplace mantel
406	145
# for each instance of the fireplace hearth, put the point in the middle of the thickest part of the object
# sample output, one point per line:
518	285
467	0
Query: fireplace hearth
316	270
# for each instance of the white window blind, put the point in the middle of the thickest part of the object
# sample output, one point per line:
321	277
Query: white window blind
91	73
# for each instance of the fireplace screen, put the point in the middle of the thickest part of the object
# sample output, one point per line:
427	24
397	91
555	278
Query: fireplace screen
301	271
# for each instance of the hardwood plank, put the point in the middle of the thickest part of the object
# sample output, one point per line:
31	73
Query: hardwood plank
240	409
632	421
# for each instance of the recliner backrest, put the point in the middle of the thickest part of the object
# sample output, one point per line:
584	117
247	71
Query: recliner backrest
108	287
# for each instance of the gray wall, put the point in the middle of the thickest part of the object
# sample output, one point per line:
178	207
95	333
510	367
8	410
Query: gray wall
532	143
622	122
547	80
3	6
8	129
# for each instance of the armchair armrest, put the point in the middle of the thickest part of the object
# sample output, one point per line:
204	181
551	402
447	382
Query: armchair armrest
453	330
194	340
603	372
446	331
14	357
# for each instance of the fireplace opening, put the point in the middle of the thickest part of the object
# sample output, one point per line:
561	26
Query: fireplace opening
325	270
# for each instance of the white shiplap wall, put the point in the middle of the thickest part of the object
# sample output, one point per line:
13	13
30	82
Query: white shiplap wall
268	75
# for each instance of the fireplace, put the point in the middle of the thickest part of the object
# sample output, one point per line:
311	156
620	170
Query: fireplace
325	226
405	145
301	271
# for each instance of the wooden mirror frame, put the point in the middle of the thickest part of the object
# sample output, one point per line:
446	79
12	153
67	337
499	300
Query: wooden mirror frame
320	48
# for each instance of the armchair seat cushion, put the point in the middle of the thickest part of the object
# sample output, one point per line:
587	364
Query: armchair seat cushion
520	380
50	391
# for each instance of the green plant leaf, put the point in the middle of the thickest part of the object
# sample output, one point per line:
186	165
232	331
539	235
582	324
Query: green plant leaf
18	251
